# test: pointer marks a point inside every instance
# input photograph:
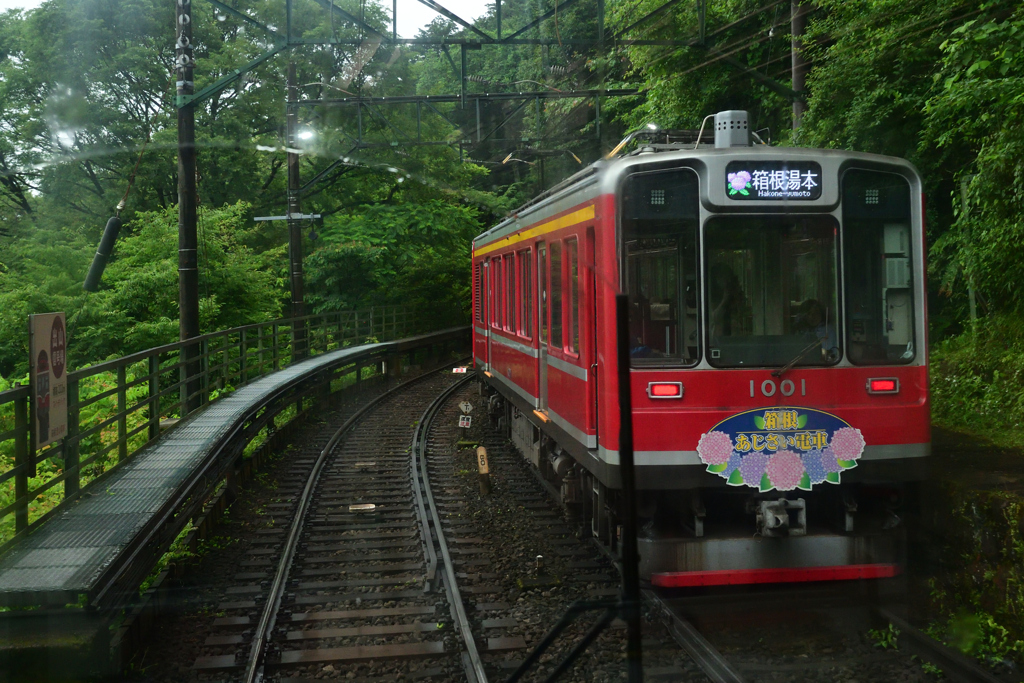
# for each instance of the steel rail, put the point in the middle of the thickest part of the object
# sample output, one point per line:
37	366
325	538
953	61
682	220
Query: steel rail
703	653
471	660
255	665
418	442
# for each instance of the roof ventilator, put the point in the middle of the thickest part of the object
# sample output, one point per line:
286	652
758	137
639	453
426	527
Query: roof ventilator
731	129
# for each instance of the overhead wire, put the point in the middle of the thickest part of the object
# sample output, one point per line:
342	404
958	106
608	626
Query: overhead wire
738	44
747	40
846	30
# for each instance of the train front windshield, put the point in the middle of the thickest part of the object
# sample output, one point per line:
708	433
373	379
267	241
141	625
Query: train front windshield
778	289
771	286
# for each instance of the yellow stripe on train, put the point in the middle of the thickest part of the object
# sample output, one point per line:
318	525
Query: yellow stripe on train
570	219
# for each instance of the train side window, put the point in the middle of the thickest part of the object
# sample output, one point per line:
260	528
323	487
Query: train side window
496	275
660	224
542	269
510	293
525	295
879	256
573	314
555	256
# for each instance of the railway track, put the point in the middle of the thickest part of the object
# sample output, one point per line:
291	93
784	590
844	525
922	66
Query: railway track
359	562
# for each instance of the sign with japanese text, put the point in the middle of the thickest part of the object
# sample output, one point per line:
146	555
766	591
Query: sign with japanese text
782	448
773	180
465	421
459	370
48	348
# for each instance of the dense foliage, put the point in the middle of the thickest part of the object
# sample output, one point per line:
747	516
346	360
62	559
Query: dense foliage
412	255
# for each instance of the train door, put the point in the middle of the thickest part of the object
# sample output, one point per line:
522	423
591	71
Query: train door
542	322
489	276
590	344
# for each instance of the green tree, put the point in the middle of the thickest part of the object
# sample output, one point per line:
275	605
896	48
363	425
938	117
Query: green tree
974	119
408	254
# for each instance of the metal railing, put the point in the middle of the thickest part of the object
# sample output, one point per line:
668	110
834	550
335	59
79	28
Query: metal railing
118	406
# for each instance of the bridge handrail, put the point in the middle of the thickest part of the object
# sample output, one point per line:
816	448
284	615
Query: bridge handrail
130	399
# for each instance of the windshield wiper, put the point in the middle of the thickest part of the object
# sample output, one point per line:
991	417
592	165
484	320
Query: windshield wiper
799	357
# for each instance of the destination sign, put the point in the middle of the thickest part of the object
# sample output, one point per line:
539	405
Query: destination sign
800	180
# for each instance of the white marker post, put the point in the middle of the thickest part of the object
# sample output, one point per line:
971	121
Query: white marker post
485	471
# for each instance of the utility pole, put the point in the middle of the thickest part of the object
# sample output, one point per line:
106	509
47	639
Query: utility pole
188	261
797	24
294	222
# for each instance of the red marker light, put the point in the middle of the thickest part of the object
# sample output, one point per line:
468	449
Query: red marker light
665	390
887	385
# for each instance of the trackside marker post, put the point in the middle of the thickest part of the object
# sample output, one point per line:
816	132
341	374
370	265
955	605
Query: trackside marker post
485	471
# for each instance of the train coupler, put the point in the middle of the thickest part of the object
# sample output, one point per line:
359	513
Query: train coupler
782	517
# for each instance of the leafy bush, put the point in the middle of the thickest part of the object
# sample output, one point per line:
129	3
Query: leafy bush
977	593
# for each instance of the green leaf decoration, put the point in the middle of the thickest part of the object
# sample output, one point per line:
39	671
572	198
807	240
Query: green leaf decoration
832	477
766	484
718	468
801	421
847	464
744	193
759	421
732	191
736	478
805	483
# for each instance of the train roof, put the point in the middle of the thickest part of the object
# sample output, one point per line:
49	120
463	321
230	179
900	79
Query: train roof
607	172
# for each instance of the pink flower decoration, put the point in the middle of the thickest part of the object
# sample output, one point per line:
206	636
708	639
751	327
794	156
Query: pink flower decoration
785	469
715	448
847	443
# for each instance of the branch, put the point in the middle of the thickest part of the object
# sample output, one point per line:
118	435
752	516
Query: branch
275	166
92	176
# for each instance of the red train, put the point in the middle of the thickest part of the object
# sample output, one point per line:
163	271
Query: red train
778	344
